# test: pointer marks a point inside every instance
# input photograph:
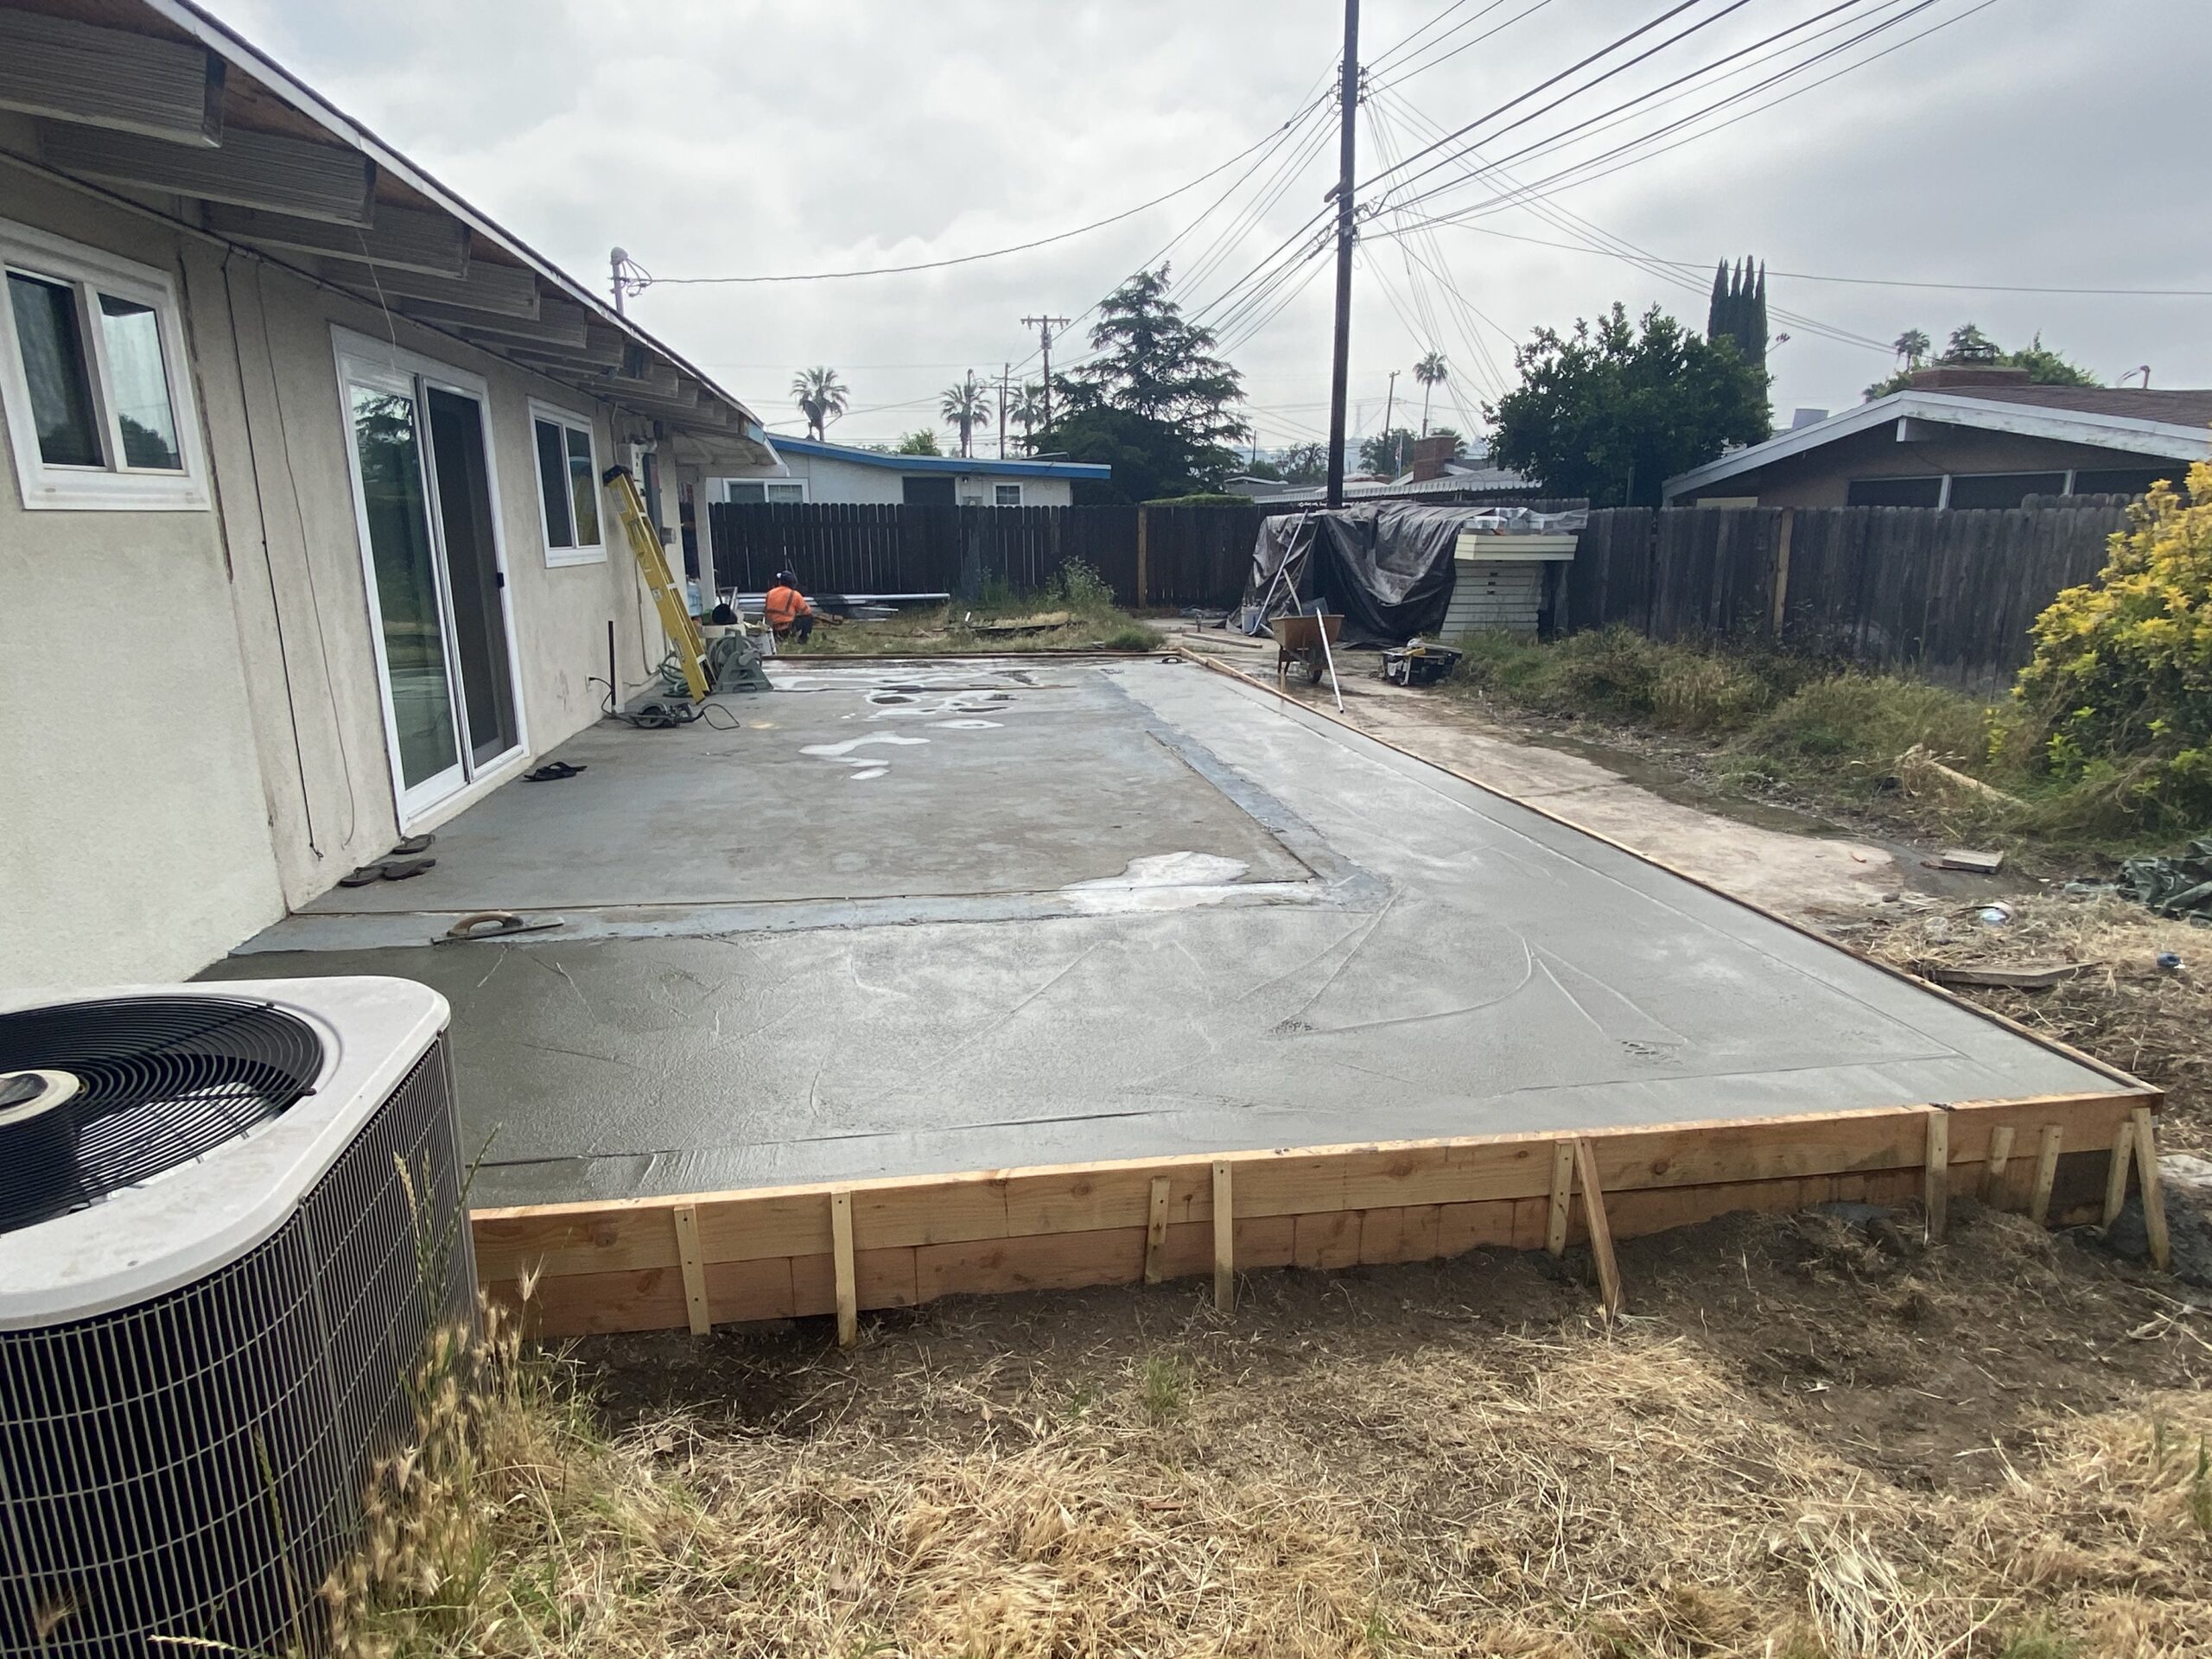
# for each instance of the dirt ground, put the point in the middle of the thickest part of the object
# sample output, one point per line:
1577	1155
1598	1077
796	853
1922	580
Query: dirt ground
1808	1437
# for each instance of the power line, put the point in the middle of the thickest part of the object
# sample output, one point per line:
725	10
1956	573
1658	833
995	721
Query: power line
1542	86
1688	266
1381	60
996	253
1406	71
1676	125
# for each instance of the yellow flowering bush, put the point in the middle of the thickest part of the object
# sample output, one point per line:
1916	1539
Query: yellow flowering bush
2121	687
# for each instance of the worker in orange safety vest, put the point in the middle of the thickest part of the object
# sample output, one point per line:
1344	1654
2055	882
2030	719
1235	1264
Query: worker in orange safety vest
788	614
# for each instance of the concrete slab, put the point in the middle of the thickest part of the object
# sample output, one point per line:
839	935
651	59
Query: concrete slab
1461	965
864	782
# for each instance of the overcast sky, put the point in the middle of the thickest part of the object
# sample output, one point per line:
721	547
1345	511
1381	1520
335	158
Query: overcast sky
2030	143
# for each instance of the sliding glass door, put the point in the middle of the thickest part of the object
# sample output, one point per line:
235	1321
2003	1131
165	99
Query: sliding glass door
427	509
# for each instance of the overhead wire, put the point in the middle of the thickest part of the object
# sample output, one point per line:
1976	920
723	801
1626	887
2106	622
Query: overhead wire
1581	172
1408	70
993	253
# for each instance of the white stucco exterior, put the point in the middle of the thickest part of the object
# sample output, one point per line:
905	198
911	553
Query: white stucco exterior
829	478
196	735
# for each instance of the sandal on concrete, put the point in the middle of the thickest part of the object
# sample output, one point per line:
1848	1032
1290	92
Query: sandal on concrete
362	877
552	772
401	870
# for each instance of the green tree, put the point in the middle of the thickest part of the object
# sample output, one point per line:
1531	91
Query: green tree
1304	463
1027	410
1389	453
966	407
922	440
1969	346
1614	409
2118	696
1153	366
821	396
1969	343
1737	310
1432	373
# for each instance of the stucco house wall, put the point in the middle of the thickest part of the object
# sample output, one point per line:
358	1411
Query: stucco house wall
199	739
832	480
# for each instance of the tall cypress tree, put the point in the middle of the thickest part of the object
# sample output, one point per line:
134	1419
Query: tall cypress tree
1737	310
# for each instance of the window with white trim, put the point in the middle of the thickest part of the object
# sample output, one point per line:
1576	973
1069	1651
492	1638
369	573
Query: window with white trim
92	380
755	491
1006	495
567	486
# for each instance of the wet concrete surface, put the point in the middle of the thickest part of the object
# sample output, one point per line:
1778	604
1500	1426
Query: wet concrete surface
1311	940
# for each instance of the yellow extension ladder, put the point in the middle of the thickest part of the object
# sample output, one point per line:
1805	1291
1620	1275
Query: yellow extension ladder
676	618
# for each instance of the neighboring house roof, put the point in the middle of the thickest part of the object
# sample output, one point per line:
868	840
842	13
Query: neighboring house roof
499	295
969	465
2165	424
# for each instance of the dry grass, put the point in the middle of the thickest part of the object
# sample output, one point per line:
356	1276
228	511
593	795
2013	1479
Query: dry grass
1558	1489
2125	1010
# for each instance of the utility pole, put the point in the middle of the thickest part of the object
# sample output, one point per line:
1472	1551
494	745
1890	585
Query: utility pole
1340	363
1390	403
1005	374
1044	327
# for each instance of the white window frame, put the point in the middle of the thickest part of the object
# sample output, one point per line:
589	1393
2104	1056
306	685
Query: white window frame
798	484
998	500
559	558
111	486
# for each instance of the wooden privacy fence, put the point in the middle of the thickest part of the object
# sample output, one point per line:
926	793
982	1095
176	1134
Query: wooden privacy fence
1148	556
1948	595
705	1259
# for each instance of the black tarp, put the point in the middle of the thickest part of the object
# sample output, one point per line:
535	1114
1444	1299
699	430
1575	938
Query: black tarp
1387	568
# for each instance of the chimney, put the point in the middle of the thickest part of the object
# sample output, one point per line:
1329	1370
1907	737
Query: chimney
1945	376
1431	453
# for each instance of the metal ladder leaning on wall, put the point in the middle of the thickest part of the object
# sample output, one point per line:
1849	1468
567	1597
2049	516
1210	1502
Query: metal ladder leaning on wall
676	618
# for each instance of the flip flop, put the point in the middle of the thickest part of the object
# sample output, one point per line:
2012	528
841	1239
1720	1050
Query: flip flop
402	869
411	845
362	877
552	771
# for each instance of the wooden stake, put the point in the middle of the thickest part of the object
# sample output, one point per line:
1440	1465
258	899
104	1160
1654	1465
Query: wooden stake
2123	1144
841	1255
1224	1242
694	1271
1992	1171
1936	1176
1562	1195
1156	1231
1601	1229
2154	1196
2046	1172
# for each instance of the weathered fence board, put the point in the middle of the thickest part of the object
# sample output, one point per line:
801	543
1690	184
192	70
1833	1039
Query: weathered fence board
1950	595
1191	555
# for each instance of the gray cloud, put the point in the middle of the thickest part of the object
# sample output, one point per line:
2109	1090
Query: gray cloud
2036	141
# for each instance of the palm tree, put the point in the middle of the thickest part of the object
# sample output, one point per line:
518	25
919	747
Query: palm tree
966	406
1432	373
1027	412
1913	346
821	396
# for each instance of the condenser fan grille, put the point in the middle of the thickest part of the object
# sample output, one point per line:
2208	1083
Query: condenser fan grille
164	1080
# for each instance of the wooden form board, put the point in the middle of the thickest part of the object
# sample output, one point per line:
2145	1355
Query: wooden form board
778	1253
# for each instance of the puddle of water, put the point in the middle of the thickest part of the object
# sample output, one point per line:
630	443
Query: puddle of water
867	772
968	725
1161	881
1168	870
839	751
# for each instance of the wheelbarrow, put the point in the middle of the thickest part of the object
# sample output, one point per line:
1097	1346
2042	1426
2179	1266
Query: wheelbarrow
1304	639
